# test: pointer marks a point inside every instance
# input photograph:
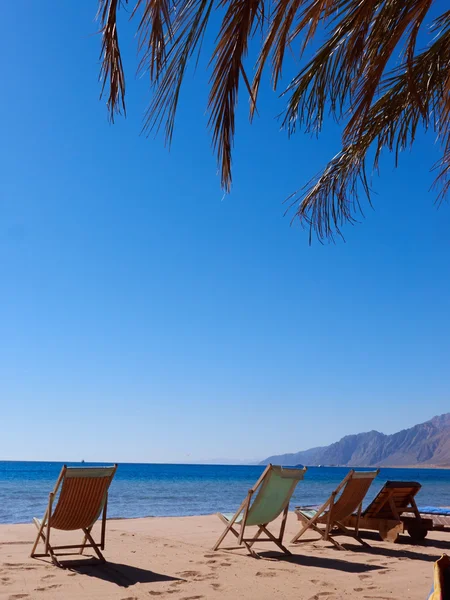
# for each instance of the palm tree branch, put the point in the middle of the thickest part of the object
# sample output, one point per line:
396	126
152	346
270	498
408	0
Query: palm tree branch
332	198
111	71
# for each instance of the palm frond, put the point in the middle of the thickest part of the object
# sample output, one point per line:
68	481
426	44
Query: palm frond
239	21
188	29
154	28
112	69
392	122
367	74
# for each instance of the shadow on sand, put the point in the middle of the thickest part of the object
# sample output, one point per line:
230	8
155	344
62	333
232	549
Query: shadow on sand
308	560
117	573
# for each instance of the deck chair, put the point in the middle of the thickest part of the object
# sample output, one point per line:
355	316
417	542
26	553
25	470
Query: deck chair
338	508
393	511
83	497
273	492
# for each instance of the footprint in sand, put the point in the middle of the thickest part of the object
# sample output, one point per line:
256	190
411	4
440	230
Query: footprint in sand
209	555
22	567
49	587
155	593
225	564
265	574
130	598
364	576
17	596
319	594
358	589
189	573
211	562
206	577
48	576
192	597
215	586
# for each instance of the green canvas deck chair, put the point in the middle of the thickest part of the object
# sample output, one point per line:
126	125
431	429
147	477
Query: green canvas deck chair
346	499
83	497
273	492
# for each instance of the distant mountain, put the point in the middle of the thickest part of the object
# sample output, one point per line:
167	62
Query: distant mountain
427	444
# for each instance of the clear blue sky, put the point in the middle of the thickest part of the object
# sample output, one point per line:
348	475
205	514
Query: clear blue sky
145	317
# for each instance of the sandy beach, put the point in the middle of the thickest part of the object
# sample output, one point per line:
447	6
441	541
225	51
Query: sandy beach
171	558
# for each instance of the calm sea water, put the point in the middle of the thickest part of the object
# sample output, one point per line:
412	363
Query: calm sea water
141	490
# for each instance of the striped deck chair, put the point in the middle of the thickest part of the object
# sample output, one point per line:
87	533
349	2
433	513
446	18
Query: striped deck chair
273	492
83	497
441	579
338	508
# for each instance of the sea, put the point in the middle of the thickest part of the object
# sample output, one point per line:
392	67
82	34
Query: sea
162	490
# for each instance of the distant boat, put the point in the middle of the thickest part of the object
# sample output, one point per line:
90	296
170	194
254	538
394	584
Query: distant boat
82	461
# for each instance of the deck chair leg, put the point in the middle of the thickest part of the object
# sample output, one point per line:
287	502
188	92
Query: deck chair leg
335	543
255	539
87	533
229	527
40	527
352	534
306	526
275	540
41	536
85	541
248	545
94	545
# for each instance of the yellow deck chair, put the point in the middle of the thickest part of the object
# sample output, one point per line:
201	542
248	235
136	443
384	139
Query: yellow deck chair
83	497
273	492
352	489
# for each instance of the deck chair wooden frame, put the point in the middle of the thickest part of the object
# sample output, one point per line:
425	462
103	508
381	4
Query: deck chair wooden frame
243	515
386	512
79	506
333	512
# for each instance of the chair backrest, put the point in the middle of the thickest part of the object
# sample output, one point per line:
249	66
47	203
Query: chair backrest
401	493
83	495
357	484
274	494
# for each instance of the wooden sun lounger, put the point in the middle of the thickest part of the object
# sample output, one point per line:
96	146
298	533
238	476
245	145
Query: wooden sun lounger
82	499
394	511
266	500
343	502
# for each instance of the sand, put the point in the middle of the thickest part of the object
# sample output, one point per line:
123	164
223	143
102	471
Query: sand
170	558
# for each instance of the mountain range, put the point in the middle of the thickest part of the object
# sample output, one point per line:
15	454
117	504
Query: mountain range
426	444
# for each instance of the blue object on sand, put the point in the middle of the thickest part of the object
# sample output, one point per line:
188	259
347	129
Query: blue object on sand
434	510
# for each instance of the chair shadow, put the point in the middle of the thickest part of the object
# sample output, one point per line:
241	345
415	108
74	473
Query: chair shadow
394	553
405	540
117	573
307	560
